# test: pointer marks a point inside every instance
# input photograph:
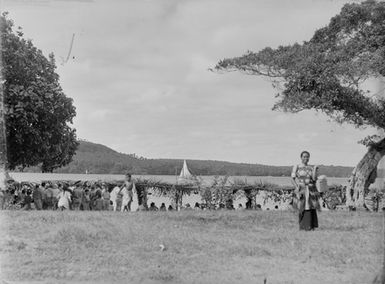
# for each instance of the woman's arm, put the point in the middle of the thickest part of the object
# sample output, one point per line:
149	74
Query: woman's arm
315	173
293	180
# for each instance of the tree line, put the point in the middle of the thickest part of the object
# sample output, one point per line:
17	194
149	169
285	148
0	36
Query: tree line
99	159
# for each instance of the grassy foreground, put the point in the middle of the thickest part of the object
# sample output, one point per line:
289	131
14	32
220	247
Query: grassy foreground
199	247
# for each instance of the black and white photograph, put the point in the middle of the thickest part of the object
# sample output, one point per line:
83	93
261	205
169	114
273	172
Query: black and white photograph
192	141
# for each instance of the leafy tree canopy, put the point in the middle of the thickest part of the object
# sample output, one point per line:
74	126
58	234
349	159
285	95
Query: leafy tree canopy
326	73
37	113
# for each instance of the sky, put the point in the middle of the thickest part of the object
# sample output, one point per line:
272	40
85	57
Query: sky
138	73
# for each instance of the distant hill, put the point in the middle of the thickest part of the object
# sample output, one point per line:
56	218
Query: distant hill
99	159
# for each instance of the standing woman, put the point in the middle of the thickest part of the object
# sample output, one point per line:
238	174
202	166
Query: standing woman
127	193
304	178
64	198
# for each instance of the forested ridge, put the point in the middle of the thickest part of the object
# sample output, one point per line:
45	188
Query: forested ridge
99	159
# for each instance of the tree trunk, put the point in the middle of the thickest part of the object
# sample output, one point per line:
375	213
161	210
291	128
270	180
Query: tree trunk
3	154
177	198
364	174
3	139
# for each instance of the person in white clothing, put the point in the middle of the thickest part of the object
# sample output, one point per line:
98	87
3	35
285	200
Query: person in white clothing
127	193
114	195
64	198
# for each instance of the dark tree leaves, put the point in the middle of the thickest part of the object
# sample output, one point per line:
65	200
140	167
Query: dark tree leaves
38	113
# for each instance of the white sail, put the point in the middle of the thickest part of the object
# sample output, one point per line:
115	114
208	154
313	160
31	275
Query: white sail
185	175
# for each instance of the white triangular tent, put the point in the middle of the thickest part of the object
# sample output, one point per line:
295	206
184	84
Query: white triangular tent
185	175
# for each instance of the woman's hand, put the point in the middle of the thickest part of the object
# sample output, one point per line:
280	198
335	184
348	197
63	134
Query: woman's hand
299	192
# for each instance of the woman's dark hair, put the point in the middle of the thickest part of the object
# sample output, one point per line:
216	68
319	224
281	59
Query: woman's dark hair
304	152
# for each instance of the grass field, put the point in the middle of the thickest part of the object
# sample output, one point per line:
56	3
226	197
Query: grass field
199	247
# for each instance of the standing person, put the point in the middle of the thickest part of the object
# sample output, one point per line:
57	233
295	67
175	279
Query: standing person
98	198
21	195
28	200
106	197
57	188
114	195
64	198
93	198
37	196
304	178
77	197
86	199
47	197
127	193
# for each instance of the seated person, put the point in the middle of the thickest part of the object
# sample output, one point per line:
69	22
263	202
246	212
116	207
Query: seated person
153	207
163	207
240	207
188	207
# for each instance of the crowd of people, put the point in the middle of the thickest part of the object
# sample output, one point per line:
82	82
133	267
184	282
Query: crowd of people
198	206
123	196
45	196
88	196
85	197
